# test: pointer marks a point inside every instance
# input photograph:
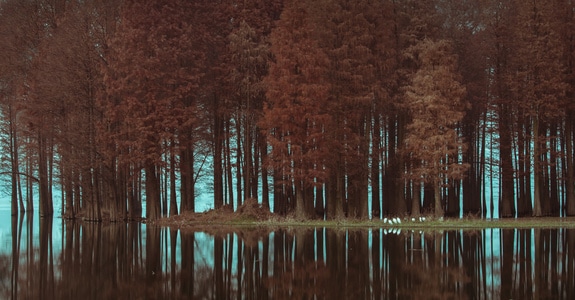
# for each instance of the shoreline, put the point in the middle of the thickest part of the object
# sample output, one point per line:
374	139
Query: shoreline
235	221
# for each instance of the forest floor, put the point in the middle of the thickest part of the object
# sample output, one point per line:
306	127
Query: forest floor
251	214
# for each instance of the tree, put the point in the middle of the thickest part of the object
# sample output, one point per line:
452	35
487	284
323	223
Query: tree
435	101
153	70
294	116
539	86
249	55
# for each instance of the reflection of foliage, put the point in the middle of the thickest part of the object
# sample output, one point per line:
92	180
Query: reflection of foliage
4	277
434	282
309	281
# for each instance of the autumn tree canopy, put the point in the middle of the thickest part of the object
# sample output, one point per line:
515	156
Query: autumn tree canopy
326	108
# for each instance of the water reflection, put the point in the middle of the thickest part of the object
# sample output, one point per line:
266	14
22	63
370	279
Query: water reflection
134	261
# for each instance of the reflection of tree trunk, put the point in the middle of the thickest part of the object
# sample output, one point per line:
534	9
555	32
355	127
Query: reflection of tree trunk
569	269
358	264
187	265
46	265
376	264
240	266
525	268
229	269
396	277
553	253
31	285
218	267
472	259
16	236
336	263
538	257
507	250
265	261
153	259
173	261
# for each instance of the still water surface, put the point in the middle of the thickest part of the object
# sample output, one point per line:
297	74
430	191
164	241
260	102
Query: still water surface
53	259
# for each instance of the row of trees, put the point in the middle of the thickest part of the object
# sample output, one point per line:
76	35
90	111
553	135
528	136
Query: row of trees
326	107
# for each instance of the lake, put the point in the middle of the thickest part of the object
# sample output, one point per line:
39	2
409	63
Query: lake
56	259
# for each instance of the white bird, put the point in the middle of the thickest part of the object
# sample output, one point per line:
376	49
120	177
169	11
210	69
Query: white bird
384	220
398	220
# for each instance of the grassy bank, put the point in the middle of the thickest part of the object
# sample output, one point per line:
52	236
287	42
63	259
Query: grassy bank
198	221
251	214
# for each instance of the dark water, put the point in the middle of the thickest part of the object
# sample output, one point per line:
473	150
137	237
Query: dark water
51	259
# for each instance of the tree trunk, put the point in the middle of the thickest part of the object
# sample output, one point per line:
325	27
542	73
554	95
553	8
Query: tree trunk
218	140
375	162
300	211
438	206
44	189
239	163
537	209
228	170
570	166
416	200
265	185
187	180
507	191
173	196
152	193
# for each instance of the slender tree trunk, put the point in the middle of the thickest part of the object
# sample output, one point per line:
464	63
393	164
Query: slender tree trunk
14	159
187	179
44	188
438	205
239	163
229	172
300	211
537	209
553	173
375	162
265	184
152	193
173	196
507	191
218	140
570	166
319	202
416	200
524	174
29	183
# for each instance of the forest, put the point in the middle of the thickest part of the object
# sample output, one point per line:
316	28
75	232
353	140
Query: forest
318	108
